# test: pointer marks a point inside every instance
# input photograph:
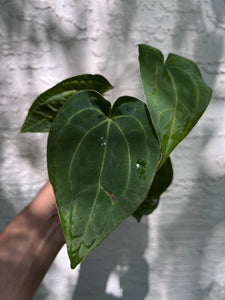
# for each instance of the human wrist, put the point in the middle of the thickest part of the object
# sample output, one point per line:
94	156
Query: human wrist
42	212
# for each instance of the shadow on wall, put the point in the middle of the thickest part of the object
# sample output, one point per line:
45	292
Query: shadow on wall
30	39
195	240
117	268
197	234
62	35
61	42
7	210
208	44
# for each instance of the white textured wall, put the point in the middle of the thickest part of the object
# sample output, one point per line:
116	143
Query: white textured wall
178	252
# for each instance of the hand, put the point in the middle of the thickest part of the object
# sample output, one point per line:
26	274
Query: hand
28	245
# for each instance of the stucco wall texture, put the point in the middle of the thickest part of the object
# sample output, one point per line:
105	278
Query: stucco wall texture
179	251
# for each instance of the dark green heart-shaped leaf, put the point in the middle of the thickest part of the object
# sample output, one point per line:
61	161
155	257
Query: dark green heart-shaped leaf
45	108
176	95
101	164
162	180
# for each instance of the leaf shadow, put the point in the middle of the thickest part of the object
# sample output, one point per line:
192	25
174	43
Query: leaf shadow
116	268
208	46
188	237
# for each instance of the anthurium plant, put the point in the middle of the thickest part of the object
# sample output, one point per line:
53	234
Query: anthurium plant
107	163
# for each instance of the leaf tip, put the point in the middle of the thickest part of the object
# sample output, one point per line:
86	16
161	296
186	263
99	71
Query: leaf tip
22	129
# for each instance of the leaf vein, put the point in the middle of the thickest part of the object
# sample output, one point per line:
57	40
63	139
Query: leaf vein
196	86
129	161
174	112
99	184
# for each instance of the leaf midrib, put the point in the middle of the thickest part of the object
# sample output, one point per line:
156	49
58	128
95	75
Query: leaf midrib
174	113
102	166
99	184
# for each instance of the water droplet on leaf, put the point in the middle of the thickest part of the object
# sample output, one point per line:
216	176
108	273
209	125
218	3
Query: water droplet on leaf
141	168
102	141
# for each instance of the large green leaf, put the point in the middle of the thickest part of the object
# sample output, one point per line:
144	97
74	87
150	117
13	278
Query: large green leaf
45	108
101	163
162	180
176	95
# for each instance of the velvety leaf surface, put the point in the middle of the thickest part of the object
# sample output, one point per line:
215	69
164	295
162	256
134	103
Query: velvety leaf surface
101	164
176	95
45	108
162	180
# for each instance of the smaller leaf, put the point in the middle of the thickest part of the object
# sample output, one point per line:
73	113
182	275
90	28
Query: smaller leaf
161	182
175	93
45	108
